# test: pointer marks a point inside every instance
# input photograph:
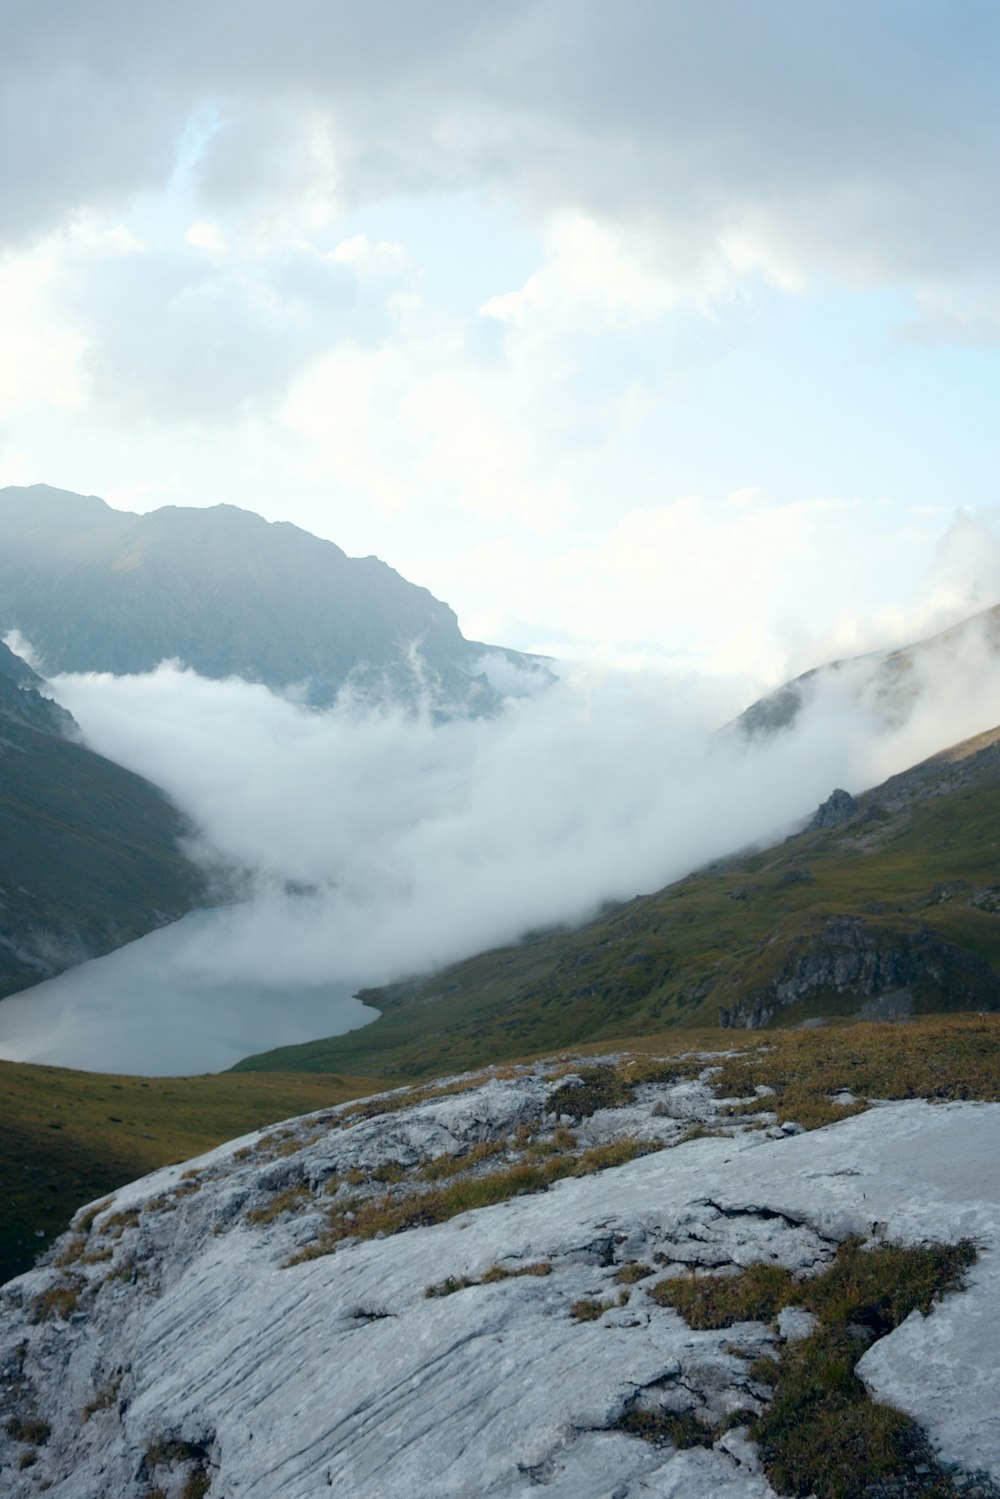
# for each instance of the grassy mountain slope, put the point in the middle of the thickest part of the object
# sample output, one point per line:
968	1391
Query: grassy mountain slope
895	911
67	1137
224	591
89	852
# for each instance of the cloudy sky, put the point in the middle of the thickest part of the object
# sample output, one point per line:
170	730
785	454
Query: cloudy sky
662	331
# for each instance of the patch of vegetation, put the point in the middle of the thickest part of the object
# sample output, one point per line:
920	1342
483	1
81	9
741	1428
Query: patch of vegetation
604	1087
172	1453
104	1398
668	1428
629	1273
449	1286
942	1058
500	1272
588	1309
388	1172
288	1201
495	1274
58	1302
72	1251
821	1433
561	1139
365	1218
446	1166
756	1294
35	1433
615	1153
699	1132
117	1223
84	1221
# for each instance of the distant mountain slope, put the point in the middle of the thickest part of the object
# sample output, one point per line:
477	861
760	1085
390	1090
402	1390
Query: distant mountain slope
894	910
227	593
890	677
89	852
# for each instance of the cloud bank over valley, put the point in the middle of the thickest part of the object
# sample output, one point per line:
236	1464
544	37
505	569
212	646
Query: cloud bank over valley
377	844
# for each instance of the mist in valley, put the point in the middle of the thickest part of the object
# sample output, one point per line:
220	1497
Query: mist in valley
374	843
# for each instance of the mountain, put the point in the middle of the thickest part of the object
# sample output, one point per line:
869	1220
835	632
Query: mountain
636	1276
888	680
889	906
228	594
90	854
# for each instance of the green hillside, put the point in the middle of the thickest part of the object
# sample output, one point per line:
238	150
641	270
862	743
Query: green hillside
90	854
68	1137
894	912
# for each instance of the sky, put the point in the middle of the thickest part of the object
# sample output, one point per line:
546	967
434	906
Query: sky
657	334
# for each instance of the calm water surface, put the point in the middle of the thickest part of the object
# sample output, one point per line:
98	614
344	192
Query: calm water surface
147	1009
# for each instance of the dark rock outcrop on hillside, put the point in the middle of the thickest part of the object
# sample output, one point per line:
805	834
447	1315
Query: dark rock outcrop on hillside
228	594
866	960
22	702
838	808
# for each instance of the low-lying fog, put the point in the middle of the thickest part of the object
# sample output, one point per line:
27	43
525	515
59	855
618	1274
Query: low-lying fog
379	844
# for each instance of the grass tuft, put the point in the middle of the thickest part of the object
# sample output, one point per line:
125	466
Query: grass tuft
713	1301
34	1433
588	1309
667	1428
57	1303
289	1201
365	1218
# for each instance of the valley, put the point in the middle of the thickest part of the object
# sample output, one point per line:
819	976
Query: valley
569	1113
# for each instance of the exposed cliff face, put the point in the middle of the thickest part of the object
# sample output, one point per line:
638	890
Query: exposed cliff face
202	1332
865	959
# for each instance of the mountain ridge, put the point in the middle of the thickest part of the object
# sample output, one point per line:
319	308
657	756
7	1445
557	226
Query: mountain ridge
888	674
229	594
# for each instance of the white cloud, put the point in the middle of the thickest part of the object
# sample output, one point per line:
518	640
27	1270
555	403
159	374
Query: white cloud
205	236
423	843
370	258
422	422
39	357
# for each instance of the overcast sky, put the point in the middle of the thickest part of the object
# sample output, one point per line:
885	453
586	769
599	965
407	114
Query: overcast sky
664	330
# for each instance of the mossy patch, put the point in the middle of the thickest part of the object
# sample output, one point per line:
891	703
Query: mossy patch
58	1302
710	1301
821	1433
291	1200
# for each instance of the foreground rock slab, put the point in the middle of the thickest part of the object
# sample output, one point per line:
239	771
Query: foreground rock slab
168	1347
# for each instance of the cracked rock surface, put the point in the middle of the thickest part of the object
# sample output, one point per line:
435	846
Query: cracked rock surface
168	1346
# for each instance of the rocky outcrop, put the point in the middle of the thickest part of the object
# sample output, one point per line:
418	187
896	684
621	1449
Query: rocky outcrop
860	958
838	808
196	1334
